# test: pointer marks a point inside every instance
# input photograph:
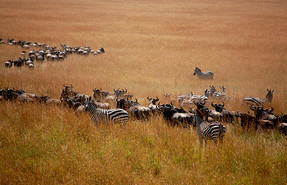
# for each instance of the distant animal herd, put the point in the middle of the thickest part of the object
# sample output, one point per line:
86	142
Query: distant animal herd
192	110
42	52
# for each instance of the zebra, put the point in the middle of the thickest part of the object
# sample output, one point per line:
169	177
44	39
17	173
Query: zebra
208	131
259	102
106	115
203	75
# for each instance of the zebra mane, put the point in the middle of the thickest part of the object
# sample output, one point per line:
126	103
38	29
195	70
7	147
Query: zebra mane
199	113
196	68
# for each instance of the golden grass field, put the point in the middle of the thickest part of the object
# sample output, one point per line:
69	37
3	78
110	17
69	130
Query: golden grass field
151	48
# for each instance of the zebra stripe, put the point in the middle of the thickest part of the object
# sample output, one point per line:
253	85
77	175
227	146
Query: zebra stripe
258	102
213	131
110	115
208	131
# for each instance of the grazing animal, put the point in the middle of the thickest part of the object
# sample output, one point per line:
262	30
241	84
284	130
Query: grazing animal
53	102
199	98
176	116
99	51
111	115
137	110
264	118
258	102
208	131
27	97
203	75
120	93
204	109
247	120
103	105
220	95
152	104
228	116
282	128
9	63
100	95
183	97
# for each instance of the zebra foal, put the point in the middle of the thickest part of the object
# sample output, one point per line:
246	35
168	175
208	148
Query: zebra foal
106	115
208	131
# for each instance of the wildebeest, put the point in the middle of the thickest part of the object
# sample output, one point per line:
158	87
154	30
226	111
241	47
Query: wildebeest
176	116
228	116
264	117
152	104
134	108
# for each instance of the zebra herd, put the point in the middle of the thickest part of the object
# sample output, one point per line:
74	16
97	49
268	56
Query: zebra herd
118	107
44	51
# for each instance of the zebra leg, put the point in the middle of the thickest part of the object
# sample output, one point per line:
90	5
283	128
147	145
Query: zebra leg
215	140
205	141
201	140
221	139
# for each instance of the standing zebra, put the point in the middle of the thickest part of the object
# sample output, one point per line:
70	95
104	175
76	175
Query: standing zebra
208	131
259	102
203	75
102	115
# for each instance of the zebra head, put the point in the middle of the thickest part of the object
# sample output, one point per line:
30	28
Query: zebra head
196	70
206	93
212	90
89	105
269	95
222	88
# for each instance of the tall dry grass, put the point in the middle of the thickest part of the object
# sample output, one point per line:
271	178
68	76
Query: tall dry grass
152	48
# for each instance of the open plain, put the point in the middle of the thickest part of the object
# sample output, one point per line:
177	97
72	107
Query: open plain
152	48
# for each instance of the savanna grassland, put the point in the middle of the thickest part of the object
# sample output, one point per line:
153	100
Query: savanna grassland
152	47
